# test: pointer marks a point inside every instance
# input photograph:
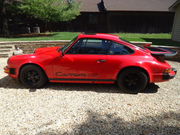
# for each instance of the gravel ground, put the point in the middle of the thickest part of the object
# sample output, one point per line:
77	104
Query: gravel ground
82	109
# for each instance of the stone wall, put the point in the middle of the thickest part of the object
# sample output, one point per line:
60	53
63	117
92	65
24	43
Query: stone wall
30	46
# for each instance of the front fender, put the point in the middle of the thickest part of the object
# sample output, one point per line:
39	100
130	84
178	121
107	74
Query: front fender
18	62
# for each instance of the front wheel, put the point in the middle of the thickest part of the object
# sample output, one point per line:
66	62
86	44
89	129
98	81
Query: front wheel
132	80
33	76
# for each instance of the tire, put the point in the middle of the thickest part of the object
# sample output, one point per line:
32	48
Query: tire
33	76
132	80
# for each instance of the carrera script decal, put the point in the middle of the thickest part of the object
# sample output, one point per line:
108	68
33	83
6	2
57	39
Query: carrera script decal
60	74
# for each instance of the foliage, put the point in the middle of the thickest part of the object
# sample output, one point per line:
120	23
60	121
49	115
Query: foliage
9	6
50	10
6	12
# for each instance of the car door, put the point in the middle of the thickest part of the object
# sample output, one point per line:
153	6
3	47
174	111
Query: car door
86	60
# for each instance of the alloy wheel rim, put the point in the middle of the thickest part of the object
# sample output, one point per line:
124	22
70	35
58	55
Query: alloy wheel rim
31	77
132	81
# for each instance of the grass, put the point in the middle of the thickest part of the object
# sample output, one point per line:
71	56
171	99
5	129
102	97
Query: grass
54	36
156	39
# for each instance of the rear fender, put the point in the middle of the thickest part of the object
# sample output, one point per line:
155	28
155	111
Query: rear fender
141	67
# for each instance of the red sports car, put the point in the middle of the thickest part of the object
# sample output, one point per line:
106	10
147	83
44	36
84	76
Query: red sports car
93	58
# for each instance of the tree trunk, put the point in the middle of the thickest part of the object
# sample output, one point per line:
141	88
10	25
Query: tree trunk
46	26
5	28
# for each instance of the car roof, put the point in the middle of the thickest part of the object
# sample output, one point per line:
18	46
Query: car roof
99	35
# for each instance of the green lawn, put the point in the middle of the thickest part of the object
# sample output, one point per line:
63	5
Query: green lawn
157	39
54	36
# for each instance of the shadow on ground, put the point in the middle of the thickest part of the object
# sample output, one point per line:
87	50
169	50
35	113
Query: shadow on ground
8	82
110	124
173	59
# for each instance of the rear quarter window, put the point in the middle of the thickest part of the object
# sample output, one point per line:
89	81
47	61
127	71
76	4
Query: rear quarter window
119	49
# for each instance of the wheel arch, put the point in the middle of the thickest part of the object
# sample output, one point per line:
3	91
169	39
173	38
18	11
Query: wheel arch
26	64
135	67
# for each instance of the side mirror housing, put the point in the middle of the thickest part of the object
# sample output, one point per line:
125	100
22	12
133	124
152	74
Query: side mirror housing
61	53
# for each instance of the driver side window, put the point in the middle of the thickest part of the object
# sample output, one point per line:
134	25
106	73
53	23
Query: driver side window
76	48
90	46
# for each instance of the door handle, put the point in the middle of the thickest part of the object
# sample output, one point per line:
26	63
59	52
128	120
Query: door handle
101	61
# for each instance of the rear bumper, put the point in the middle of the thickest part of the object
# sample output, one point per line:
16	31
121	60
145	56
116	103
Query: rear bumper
167	76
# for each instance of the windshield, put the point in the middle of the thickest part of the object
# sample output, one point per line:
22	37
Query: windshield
67	45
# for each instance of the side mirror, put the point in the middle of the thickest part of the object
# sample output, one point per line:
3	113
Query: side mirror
61	53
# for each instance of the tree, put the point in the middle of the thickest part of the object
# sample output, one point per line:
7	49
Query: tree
45	10
6	6
50	10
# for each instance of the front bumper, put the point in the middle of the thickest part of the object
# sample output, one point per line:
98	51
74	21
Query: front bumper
6	70
11	71
167	76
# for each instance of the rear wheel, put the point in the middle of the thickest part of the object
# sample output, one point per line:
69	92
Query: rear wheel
33	76
132	80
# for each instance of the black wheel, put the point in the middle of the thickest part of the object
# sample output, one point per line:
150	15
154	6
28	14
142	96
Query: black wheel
33	76
132	80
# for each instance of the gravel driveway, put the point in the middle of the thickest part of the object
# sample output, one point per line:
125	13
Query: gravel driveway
82	109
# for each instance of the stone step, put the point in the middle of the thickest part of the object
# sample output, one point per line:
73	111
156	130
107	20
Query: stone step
4	55
5	50
7	46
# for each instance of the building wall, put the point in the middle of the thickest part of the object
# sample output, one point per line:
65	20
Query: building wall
176	27
127	22
140	22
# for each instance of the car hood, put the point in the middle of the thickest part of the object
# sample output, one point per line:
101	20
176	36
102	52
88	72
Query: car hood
40	53
46	50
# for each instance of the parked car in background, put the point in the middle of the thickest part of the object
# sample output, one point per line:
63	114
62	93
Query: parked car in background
94	58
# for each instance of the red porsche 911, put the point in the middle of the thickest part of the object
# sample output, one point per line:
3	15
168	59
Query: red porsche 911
94	58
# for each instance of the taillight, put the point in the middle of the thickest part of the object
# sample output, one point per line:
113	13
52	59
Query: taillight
169	70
